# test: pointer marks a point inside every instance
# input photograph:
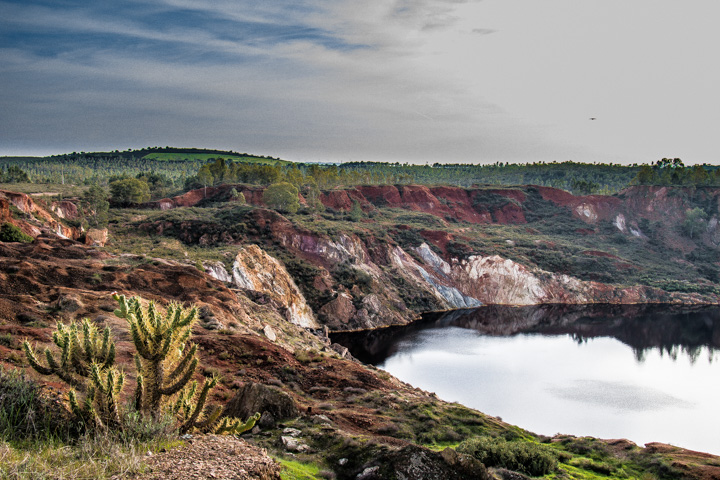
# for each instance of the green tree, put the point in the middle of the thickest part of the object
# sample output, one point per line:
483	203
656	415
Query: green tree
95	205
698	176
129	191
205	177
295	176
694	221
15	174
218	169
646	175
237	196
282	196
356	212
312	197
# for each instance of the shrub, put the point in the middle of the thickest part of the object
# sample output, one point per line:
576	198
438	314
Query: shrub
525	457
26	413
282	196
11	233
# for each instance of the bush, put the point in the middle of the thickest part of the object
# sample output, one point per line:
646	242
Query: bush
26	413
525	457
282	196
11	233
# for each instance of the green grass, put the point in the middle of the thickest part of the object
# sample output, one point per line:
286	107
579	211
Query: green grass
294	470
51	189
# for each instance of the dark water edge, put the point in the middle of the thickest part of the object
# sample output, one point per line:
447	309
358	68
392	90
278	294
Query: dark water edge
671	329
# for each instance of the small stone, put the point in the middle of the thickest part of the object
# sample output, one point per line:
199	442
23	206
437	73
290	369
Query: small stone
293	432
342	461
292	444
368	473
321	419
269	333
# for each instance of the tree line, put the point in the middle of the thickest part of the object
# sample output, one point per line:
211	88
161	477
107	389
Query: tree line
673	172
135	177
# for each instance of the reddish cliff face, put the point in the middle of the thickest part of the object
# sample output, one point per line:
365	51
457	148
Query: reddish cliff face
342	199
485	205
364	280
39	218
5	210
65	209
382	195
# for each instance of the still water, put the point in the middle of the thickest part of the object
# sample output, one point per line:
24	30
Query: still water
646	373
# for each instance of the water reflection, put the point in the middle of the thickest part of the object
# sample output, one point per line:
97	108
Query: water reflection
669	329
607	371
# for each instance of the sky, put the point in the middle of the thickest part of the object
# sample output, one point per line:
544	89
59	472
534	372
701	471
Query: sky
421	81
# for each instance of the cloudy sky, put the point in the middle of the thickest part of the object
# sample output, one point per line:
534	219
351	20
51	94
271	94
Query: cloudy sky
348	80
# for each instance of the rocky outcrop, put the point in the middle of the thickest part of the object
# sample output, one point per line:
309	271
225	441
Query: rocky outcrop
39	219
65	209
256	270
96	237
217	270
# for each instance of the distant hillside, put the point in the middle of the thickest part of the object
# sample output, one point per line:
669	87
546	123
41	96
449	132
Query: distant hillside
82	167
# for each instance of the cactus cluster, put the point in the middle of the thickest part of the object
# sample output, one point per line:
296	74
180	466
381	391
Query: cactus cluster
87	363
165	361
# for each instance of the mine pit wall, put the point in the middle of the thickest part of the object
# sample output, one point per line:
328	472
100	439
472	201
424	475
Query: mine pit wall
400	283
446	285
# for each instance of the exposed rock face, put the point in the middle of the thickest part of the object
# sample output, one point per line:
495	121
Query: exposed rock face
96	237
360	280
42	219
337	313
4	210
217	270
412	462
65	209
256	270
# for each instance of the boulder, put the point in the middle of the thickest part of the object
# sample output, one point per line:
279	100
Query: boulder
337	313
269	333
69	303
96	237
274	404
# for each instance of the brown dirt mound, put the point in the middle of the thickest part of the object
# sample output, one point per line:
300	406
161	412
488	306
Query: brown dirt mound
211	456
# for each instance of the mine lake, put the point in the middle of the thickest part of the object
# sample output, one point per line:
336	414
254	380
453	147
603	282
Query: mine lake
648	373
